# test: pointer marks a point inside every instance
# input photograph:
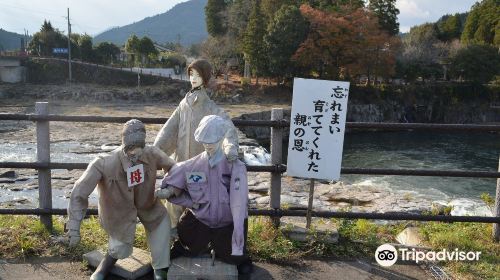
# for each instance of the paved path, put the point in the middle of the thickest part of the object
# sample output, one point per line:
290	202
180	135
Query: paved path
59	268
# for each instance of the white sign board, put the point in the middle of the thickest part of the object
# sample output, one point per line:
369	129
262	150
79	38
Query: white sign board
317	127
135	175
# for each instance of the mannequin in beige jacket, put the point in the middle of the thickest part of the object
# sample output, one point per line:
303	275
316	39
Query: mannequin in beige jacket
177	135
126	180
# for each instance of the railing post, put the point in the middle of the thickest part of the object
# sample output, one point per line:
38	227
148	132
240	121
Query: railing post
276	158
43	156
496	211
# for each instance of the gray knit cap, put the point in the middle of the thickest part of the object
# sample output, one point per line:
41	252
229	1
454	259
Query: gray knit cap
134	133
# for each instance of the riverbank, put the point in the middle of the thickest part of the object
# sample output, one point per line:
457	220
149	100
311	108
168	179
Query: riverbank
81	142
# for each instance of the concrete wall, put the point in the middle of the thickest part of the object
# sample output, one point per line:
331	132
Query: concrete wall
9	61
12	74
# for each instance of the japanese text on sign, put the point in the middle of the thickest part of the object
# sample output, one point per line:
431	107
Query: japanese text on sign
135	175
317	128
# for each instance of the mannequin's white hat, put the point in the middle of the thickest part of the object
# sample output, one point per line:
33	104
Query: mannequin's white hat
211	129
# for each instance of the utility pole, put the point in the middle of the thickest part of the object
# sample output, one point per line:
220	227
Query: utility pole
69	48
27	38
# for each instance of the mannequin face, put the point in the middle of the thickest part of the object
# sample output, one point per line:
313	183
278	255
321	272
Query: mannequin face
133	153
195	78
211	149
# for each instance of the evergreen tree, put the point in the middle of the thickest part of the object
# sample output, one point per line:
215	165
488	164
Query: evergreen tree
253	41
336	5
284	35
106	52
449	27
147	47
214	17
387	14
238	14
48	38
270	7
85	46
483	24
46	26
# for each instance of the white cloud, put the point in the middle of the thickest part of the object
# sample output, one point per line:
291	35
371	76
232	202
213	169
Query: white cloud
409	8
415	12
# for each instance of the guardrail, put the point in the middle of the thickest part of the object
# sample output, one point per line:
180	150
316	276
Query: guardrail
42	118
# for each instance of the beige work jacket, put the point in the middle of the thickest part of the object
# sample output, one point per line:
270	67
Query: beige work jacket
177	135
119	205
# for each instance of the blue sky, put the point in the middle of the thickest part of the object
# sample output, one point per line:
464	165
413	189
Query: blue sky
95	16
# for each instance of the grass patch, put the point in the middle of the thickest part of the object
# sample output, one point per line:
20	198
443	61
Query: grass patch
25	236
358	238
268	243
465	237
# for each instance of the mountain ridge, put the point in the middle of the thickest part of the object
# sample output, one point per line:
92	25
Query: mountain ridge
186	20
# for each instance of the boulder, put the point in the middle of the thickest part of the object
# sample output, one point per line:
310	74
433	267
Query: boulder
410	236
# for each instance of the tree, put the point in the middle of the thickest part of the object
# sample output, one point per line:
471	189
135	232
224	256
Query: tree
238	15
147	49
46	39
194	50
47	27
387	14
141	48
345	44
106	53
270	7
285	33
218	51
215	18
483	24
172	60
477	63
132	44
85	46
253	41
375	51
336	5
423	53
449	27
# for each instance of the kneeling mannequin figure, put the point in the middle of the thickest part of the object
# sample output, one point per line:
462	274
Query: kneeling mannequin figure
126	182
215	192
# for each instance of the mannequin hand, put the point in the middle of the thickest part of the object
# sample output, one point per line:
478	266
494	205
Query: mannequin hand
196	206
164	193
74	237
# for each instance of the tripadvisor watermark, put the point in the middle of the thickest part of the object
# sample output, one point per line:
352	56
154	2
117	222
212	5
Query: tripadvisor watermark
387	255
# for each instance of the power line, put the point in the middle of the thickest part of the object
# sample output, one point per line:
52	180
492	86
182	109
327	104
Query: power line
53	13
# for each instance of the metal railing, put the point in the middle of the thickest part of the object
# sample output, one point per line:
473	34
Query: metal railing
43	164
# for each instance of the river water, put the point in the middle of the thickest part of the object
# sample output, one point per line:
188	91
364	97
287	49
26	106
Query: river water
398	150
424	150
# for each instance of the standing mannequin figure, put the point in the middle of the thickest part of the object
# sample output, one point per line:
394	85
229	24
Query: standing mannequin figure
177	135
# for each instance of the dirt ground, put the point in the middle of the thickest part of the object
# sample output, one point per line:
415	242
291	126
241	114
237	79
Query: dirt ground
58	268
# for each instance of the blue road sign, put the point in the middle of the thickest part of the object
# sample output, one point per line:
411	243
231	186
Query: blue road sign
59	50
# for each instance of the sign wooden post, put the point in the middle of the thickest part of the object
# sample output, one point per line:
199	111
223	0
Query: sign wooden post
310	204
317	126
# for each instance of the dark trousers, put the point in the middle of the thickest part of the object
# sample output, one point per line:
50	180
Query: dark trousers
196	238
